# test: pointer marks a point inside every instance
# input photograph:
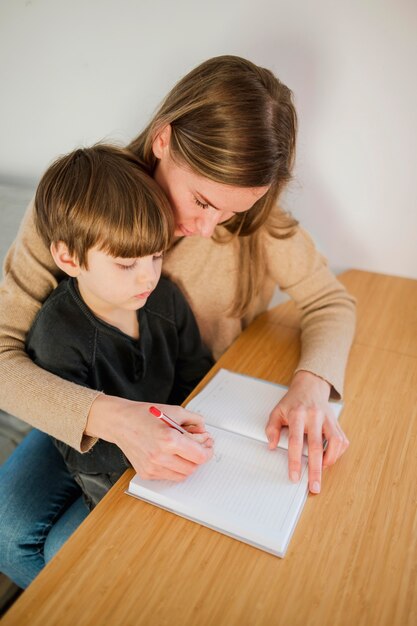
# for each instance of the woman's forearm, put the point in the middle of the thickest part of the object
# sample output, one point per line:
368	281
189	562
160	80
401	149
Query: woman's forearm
45	401
328	327
327	310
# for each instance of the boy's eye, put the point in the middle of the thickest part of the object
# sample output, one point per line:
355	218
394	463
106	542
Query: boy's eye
201	204
158	256
126	267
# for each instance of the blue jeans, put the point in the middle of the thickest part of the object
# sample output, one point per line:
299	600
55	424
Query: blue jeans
40	507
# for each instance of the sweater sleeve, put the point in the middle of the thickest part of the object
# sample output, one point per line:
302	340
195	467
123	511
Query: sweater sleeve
327	310
40	398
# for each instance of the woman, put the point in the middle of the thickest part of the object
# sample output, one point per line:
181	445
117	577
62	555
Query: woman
222	147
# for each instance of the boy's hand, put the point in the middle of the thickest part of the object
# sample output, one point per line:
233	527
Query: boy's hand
155	450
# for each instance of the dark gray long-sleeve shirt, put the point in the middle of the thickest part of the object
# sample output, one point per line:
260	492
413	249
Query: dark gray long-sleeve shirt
163	365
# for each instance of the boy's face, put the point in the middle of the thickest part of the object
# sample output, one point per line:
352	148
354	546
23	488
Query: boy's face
110	284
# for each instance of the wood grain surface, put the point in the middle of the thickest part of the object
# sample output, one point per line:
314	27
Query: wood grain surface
353	557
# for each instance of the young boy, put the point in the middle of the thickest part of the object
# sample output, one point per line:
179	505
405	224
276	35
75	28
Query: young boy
112	325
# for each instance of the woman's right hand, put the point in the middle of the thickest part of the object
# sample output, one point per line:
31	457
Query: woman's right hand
155	450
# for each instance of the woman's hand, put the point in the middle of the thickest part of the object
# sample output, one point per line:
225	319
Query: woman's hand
155	450
305	408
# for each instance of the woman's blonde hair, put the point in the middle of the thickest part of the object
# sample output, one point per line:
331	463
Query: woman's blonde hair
101	196
234	123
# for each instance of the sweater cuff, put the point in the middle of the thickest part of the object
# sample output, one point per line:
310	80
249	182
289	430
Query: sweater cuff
335	382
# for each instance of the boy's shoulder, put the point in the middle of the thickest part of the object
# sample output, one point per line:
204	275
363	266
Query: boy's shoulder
61	339
63	297
60	319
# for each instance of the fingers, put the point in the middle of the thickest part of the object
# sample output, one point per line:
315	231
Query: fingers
157	451
273	428
315	453
175	464
176	457
193	424
162	473
184	417
167	468
315	421
204	438
337	444
193	428
186	447
296	421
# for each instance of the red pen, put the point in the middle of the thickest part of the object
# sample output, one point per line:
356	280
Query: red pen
168	420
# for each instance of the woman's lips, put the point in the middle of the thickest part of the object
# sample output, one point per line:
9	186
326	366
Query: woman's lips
185	231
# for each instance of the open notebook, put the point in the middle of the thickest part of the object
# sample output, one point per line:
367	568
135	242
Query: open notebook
244	491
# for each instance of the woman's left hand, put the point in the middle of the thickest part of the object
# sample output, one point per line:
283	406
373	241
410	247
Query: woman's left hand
305	408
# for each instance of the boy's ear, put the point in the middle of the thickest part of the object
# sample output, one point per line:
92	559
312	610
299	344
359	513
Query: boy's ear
160	144
65	261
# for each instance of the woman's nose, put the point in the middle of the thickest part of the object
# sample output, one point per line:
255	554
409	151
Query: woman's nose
208	221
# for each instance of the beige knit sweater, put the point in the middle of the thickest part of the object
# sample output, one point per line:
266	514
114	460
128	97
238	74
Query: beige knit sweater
208	274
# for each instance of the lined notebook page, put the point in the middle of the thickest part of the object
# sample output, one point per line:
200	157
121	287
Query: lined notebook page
242	404
243	492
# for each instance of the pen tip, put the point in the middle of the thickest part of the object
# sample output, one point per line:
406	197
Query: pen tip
155	411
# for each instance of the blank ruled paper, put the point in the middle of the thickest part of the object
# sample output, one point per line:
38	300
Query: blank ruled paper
242	404
244	491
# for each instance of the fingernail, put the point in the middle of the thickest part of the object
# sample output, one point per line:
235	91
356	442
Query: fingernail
315	488
294	477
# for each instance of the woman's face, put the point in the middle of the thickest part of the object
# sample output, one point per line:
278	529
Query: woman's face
198	203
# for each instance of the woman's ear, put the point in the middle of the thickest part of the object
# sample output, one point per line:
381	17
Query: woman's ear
160	144
66	262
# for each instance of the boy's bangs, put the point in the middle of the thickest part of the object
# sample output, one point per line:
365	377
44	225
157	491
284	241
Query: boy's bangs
101	197
130	245
136	233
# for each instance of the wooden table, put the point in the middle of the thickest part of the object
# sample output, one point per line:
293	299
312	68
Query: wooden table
353	557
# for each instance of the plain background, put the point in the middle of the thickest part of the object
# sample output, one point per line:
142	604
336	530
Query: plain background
76	72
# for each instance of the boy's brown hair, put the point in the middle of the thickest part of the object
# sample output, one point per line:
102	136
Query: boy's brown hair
101	196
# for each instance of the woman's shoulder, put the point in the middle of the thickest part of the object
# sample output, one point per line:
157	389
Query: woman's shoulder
292	255
281	228
29	268
28	237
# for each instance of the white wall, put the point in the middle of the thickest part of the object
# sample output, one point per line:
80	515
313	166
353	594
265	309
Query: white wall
75	72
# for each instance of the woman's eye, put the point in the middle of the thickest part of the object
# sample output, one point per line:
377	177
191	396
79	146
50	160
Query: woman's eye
201	204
